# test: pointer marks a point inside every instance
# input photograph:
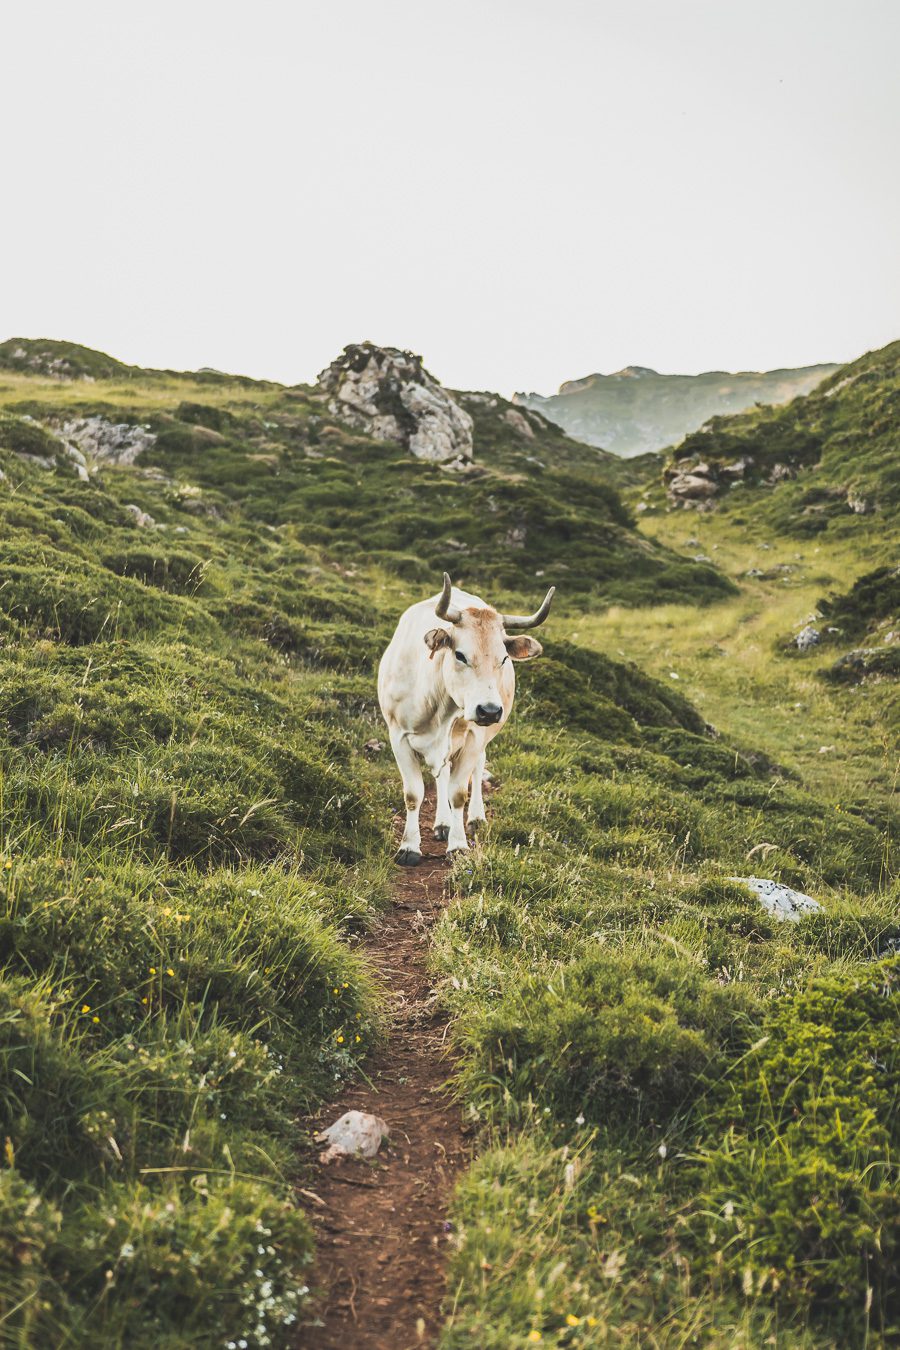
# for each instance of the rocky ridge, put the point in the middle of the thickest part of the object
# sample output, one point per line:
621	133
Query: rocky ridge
388	394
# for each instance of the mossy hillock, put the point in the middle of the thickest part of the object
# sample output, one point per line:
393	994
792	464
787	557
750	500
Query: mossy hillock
59	360
871	603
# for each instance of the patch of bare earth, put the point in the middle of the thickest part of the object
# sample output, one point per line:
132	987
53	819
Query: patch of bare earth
381	1225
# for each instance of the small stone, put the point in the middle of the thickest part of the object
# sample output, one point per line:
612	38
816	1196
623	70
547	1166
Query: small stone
355	1135
780	900
807	637
141	518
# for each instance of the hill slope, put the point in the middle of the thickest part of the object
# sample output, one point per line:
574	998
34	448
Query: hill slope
827	462
279	456
198	575
637	410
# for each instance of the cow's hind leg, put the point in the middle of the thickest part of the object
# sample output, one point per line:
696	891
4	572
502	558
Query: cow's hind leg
442	813
476	815
410	850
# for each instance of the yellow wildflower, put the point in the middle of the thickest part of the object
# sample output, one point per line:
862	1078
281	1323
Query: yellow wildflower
169	970
535	1336
572	1320
340	1040
95	1019
153	970
86	1008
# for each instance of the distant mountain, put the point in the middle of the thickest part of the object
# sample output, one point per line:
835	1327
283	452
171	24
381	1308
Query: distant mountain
637	409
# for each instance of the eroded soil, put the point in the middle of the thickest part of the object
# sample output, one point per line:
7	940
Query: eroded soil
381	1225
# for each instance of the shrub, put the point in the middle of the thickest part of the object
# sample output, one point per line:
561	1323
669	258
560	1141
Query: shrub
132	945
800	1195
612	1035
46	1085
26	437
220	1260
30	1301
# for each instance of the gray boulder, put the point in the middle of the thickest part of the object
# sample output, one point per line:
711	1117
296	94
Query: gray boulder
388	394
99	441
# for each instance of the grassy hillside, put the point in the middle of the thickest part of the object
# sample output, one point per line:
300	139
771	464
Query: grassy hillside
637	410
827	464
187	841
680	1089
195	823
276	455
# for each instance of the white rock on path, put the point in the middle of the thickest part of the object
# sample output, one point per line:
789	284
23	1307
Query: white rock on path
781	900
355	1135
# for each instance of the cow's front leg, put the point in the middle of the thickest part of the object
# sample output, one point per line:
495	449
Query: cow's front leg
476	799
461	769
410	850
442	813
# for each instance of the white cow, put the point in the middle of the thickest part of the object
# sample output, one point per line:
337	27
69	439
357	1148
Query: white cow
445	690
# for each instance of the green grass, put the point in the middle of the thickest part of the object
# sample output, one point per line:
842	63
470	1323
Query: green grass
838	444
193	836
190	838
614	992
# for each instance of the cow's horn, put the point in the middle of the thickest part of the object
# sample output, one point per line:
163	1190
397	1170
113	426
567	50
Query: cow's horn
530	620
443	609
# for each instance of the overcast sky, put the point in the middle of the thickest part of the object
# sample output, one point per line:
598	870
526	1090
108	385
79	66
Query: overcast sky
523	191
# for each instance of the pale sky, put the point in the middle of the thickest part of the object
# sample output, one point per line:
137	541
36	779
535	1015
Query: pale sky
523	191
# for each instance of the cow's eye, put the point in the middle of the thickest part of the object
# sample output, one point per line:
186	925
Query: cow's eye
460	657
505	659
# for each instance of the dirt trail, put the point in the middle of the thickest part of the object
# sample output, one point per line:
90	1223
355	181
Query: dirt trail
380	1230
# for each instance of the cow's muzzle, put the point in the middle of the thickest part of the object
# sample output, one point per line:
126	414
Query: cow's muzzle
486	714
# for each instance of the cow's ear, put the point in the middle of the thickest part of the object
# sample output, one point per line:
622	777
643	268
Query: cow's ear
522	648
436	638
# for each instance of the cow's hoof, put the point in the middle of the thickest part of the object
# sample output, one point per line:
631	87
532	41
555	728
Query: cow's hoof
442	832
408	857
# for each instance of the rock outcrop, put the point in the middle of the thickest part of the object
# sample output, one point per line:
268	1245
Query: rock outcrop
101	441
388	394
